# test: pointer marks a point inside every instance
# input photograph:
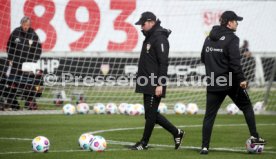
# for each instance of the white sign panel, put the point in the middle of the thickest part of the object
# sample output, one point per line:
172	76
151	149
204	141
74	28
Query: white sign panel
108	25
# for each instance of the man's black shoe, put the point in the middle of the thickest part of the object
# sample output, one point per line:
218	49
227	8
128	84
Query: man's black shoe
204	151
257	141
139	146
178	139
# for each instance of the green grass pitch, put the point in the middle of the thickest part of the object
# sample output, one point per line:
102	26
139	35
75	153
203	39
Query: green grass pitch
228	139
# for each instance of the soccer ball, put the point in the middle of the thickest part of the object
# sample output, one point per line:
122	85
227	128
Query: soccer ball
83	108
69	109
99	108
122	108
98	144
232	109
129	108
139	108
179	108
252	148
192	108
258	107
162	108
85	141
40	144
111	108
136	109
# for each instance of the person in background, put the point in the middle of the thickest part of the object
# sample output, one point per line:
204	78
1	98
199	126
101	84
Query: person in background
247	61
23	46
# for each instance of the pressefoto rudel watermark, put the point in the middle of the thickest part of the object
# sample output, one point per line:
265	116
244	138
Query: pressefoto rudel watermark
131	80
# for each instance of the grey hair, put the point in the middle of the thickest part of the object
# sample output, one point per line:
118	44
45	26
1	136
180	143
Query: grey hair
25	19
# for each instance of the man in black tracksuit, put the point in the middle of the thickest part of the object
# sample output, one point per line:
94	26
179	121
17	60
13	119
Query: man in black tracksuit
23	46
221	57
151	78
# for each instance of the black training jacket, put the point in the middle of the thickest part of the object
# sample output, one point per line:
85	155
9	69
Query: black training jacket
23	46
221	56
153	60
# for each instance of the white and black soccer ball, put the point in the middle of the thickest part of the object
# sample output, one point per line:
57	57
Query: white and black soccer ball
192	108
253	148
40	144
162	108
85	140
69	109
136	109
83	108
179	108
98	144
258	107
99	108
232	109
129	108
111	108
122	108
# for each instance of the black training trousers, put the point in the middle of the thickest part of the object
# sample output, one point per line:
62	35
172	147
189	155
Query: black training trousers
214	100
153	117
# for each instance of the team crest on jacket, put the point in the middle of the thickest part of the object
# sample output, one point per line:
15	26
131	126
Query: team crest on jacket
31	42
148	47
17	40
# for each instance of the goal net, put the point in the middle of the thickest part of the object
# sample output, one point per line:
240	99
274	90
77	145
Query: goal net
90	50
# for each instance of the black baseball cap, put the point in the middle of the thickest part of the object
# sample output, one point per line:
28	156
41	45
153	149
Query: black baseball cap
228	16
146	16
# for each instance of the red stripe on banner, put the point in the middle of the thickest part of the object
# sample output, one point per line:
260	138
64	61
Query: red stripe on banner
5	23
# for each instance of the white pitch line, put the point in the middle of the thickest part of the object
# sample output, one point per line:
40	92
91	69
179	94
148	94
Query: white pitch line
186	147
8	153
57	151
13	138
181	126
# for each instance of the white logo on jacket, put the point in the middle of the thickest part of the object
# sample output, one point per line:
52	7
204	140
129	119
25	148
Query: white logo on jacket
207	49
211	49
148	47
